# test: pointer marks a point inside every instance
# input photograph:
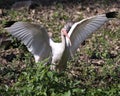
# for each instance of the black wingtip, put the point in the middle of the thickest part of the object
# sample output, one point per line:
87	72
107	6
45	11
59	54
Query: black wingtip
8	24
111	14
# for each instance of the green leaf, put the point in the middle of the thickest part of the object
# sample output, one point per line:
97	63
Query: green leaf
67	93
50	75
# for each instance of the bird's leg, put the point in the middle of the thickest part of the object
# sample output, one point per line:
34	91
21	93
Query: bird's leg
53	66
56	68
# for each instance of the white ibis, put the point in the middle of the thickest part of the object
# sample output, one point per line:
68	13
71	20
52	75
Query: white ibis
38	42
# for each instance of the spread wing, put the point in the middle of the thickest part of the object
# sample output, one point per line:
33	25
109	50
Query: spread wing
34	37
81	30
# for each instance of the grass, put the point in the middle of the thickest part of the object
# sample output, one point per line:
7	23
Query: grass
95	70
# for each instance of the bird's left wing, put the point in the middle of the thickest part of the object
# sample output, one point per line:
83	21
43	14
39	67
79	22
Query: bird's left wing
81	30
34	36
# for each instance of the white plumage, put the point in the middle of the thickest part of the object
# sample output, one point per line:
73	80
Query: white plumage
38	42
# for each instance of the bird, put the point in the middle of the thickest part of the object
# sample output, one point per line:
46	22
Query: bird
41	45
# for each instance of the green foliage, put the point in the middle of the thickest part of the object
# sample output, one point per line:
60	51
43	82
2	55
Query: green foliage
38	80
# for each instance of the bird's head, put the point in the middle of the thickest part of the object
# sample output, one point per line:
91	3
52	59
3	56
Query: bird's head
66	29
68	26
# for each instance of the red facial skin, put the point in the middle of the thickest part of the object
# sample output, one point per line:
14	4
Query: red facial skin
66	34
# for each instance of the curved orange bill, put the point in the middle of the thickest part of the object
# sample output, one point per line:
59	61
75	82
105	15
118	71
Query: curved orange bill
66	34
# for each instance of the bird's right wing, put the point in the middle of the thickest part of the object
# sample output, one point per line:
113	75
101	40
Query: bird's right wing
34	37
81	30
